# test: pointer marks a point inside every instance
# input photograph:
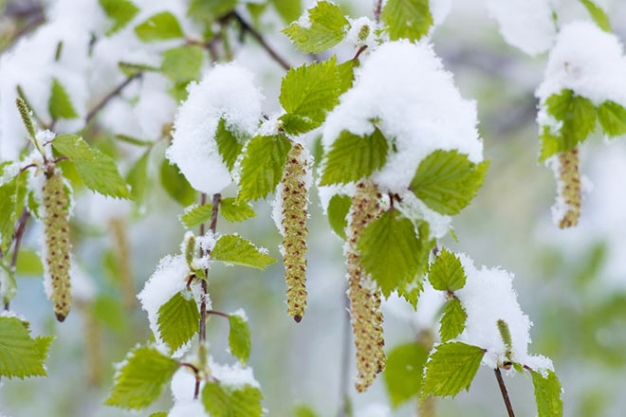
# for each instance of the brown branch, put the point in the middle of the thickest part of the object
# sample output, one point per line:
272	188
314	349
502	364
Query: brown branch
378	6
102	103
259	38
17	241
359	52
218	313
505	394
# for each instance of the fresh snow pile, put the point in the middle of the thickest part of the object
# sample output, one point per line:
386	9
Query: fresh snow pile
227	92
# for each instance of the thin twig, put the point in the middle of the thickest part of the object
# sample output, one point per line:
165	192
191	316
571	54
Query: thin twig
17	241
256	35
378	6
344	380
359	52
505	394
218	313
93	112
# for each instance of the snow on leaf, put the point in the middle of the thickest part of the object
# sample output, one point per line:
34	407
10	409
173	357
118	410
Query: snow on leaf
20	354
221	400
236	250
547	394
410	19
239	337
228	144
326	27
262	166
453	320
178	321
612	117
60	104
121	12
159	27
446	273
404	372
236	212
338	208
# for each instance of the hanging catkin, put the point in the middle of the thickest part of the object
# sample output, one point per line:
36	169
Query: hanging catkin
569	187
365	297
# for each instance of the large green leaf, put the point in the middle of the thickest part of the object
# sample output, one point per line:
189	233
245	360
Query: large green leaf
60	104
159	27
182	64
547	394
236	250
410	19
262	166
21	355
289	10
353	157
338	209
446	273
404	370
121	12
328	26
229	401
176	185
179	320
239	337
210	10
453	320
598	15
196	215
446	181
612	117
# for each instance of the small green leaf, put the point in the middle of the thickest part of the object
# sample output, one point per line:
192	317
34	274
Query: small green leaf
196	215
208	11
446	181
176	184
234	211
182	64
110	312
598	15
338	209
20	355
389	248
451	368
453	320
8	285
141	379
612	117
60	104
12	200
239	337
178	320
354	157
28	263
236	250
121	12
137	178
262	166
229	144
289	10
328	26
228	401
403	374
410	19
95	168
159	414
411	292
303	411
159	27
547	394
446	273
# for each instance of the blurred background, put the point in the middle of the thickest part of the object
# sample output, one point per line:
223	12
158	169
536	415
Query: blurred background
572	284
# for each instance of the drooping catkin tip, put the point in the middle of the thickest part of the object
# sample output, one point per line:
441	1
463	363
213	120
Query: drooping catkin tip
60	317
297	318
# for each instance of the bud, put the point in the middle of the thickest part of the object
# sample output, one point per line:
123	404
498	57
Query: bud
569	188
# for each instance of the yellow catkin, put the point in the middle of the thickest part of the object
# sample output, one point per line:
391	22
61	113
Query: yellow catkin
569	176
122	256
57	238
365	297
294	201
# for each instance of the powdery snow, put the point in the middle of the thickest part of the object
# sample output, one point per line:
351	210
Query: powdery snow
234	376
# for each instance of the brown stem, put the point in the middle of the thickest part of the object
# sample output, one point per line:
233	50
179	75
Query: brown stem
505	394
256	35
17	239
98	107
359	52
218	313
378	6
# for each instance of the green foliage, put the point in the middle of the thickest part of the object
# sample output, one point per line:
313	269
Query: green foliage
328	28
229	144
289	10
234	211
410	19
547	394
182	64
451	368
176	185
338	209
262	166
208	11
390	240
411	291
303	411
11	205
239	337
20	355
60	105
453	320
446	273
159	27
8	285
178	320
109	311
404	371
28	263
225	401
236	250
354	157
137	178
598	15
141	379
95	168
196	215
612	117
121	12
446	181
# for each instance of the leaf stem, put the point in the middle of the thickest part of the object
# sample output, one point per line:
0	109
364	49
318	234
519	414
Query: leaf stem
505	394
259	38
218	313
105	100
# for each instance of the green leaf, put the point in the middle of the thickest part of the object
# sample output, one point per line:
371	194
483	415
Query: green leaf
446	273
228	401
389	248
446	181
141	379
410	19
612	117
196	215
403	374
131	69
303	411
28	263
159	414
547	394
178	320
94	167
598	15
236	250
289	10
20	355
411	291
182	64
137	178
12	197
133	141
109	311
353	157
307	93
159	27
121	12
239	337
262	166
8	285
176	185
338	209
234	211
60	104
328	26
229	144
210	10
453	320
578	115
451	368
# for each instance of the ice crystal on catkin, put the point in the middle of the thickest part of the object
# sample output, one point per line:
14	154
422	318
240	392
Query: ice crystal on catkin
365	297
569	201
57	243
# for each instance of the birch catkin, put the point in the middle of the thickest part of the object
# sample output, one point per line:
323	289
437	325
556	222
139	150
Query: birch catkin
294	202
365	297
57	241
569	188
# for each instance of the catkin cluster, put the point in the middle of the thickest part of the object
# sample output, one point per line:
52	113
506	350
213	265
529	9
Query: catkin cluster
365	297
294	201
570	187
57	240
